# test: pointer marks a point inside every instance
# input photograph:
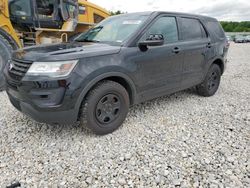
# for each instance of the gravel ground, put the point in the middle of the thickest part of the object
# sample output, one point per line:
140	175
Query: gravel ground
180	140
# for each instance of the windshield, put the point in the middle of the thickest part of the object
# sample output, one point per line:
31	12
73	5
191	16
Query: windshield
115	29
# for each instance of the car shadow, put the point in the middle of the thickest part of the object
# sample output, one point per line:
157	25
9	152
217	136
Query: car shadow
77	128
168	98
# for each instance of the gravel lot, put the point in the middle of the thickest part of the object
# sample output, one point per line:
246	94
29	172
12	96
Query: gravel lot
180	140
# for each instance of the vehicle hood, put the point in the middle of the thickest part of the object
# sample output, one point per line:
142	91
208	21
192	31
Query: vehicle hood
65	51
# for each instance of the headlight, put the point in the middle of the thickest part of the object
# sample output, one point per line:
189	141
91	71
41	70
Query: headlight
52	69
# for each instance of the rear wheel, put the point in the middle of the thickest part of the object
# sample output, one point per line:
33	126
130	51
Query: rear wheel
211	83
5	55
105	107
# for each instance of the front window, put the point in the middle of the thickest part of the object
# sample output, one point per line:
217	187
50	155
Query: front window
20	8
115	29
165	26
45	9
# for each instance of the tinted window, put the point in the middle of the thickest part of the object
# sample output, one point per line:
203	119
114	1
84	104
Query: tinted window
216	28
45	9
20	8
167	27
203	32
191	29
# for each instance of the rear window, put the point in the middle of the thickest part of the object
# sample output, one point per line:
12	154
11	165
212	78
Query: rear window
216	28
191	29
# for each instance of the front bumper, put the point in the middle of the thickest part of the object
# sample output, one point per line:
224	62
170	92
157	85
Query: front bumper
52	102
50	117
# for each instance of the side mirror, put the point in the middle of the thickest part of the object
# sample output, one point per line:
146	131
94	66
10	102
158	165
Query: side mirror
152	40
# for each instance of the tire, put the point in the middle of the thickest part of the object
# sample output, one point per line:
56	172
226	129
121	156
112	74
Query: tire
211	83
105	107
5	55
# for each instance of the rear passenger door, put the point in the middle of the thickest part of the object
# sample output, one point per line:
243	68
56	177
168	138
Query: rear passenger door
195	44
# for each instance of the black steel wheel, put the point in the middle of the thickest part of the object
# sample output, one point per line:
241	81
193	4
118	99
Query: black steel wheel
213	80
211	83
105	107
108	108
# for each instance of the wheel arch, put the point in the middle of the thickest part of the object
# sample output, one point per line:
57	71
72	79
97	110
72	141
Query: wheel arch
125	83
118	77
220	63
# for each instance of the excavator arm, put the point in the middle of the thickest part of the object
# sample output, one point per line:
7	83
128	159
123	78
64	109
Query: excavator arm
4	8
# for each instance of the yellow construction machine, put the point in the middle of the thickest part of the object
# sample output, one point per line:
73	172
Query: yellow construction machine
31	22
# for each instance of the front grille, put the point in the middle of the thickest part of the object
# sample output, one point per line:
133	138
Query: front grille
19	68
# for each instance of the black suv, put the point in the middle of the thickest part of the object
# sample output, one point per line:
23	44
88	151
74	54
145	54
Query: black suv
124	60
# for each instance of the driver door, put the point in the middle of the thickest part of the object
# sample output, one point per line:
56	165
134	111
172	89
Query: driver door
160	67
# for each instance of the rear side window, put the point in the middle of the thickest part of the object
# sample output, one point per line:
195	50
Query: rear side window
216	28
191	29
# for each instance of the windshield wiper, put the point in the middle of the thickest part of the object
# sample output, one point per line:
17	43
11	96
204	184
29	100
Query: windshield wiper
87	40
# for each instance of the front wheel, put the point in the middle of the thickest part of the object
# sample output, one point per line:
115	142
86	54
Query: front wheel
105	107
211	83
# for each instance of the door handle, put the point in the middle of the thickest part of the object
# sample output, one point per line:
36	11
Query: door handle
176	50
209	45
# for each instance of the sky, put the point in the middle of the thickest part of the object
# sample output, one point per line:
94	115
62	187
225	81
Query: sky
223	10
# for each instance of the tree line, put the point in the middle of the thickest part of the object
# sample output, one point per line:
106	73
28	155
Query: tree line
236	26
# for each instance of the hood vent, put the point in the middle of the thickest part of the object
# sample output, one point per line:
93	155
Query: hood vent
68	51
